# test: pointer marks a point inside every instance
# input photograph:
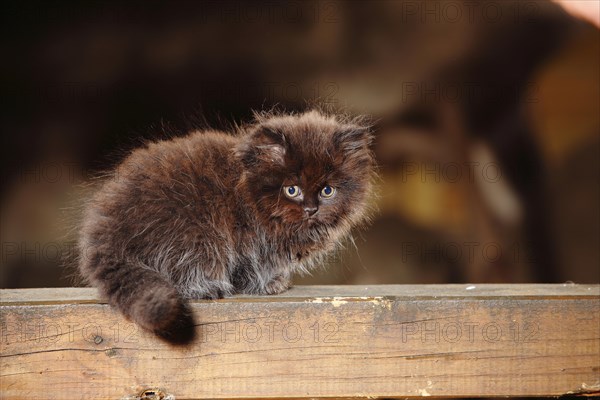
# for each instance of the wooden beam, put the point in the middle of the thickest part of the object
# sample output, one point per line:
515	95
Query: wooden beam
319	341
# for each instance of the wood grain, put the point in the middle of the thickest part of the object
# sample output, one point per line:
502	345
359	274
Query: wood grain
323	341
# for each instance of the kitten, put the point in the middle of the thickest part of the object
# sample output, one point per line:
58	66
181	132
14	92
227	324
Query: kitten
212	214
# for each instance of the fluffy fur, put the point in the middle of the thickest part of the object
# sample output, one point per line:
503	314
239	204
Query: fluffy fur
204	216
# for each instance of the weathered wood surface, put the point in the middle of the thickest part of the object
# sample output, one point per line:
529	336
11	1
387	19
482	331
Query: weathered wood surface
320	341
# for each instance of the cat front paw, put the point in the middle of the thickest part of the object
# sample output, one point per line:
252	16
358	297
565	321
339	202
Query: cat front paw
214	294
278	285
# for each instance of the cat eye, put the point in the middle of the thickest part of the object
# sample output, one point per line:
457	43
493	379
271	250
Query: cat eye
327	192
292	191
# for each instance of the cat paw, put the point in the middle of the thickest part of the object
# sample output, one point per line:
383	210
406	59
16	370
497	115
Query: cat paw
278	285
215	294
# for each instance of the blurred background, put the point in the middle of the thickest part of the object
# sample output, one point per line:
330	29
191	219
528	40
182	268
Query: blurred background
487	121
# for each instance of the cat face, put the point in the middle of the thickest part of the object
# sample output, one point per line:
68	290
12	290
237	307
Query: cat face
309	172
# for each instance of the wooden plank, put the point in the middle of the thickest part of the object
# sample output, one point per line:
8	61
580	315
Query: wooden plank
325	341
89	295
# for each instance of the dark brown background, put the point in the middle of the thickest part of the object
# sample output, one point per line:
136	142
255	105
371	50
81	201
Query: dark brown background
512	86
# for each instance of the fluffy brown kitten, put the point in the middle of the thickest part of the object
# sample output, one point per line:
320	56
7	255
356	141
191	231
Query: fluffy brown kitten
212	214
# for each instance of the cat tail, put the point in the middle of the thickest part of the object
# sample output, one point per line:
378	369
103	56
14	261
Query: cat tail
146	297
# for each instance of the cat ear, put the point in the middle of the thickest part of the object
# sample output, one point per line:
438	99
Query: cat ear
352	137
270	145
264	145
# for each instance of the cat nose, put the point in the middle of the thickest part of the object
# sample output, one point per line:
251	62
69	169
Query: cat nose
310	211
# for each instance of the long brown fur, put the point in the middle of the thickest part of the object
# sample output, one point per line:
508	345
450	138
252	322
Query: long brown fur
205	216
